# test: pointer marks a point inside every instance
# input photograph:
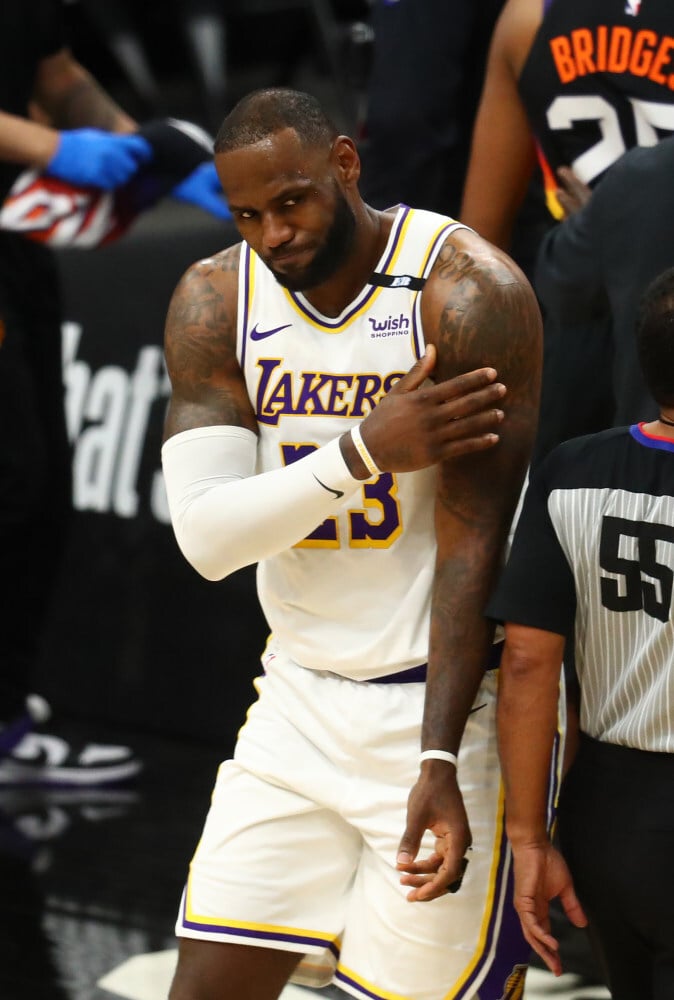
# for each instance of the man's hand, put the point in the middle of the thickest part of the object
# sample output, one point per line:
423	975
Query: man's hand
435	804
96	158
573	194
541	874
417	425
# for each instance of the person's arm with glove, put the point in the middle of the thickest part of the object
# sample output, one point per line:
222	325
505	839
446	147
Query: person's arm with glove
73	101
82	136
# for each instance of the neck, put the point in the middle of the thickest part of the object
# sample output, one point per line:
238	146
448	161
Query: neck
372	232
662	427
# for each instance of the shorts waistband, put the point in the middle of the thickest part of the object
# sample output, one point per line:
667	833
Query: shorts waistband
417	675
413	675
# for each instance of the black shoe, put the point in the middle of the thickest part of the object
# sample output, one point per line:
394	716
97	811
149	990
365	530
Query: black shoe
40	758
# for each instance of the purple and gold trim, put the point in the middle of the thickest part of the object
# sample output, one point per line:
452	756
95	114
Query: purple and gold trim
369	293
500	941
249	287
432	252
295	939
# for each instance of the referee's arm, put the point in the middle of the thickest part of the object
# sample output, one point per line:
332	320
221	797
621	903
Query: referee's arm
527	723
527	719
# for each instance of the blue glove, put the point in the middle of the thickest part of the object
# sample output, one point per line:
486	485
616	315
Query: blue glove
202	188
93	157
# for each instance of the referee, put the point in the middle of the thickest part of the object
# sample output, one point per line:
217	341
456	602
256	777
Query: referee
593	558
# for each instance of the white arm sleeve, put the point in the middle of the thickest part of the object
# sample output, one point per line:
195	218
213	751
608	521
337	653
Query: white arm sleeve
225	517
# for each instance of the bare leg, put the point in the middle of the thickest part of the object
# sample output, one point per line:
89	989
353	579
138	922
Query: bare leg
209	970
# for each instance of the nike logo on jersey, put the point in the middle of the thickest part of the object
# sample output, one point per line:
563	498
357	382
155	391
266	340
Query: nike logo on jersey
477	709
256	334
336	493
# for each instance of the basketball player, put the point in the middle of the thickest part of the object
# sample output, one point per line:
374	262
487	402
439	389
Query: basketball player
594	552
572	84
322	424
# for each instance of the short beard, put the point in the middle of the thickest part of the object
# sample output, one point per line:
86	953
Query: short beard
331	254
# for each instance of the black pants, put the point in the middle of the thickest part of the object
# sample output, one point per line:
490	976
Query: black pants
35	459
616	831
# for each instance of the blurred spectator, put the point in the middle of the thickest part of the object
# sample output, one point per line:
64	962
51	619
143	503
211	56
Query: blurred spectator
56	120
598	262
427	69
593	554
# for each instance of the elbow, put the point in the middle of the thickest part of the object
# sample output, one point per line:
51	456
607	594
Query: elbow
530	653
519	665
208	571
210	561
204	564
520	661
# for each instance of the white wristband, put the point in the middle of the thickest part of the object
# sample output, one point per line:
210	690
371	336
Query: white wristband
445	755
365	455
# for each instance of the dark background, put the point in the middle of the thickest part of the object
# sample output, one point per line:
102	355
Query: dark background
136	637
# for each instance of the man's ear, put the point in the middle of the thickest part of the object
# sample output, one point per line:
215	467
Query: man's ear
346	159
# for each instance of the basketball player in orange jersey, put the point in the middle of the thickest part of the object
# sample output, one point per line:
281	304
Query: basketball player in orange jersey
572	84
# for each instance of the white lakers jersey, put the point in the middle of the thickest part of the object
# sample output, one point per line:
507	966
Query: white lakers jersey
353	597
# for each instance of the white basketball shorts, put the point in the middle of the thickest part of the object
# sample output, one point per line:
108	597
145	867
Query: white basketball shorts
299	846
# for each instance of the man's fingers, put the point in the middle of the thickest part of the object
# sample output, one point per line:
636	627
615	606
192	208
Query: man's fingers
453	388
573	194
541	940
433	876
462	437
408	848
471	426
547	947
467	446
461	385
549	955
427	887
429	866
573	908
472	402
418	373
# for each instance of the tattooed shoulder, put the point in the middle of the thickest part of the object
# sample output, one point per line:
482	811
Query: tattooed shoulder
228	259
200	333
479	309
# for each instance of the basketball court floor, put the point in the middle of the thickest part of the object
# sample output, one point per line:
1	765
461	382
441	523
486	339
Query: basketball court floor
91	881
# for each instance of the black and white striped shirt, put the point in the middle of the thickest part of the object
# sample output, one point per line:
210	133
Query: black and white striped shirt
594	548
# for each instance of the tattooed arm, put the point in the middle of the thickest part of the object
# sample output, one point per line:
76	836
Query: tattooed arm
65	95
477	309
68	96
208	387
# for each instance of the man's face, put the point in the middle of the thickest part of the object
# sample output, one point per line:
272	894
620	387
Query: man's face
288	205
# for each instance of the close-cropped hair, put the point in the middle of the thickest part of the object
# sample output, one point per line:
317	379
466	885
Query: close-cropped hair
269	110
655	337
